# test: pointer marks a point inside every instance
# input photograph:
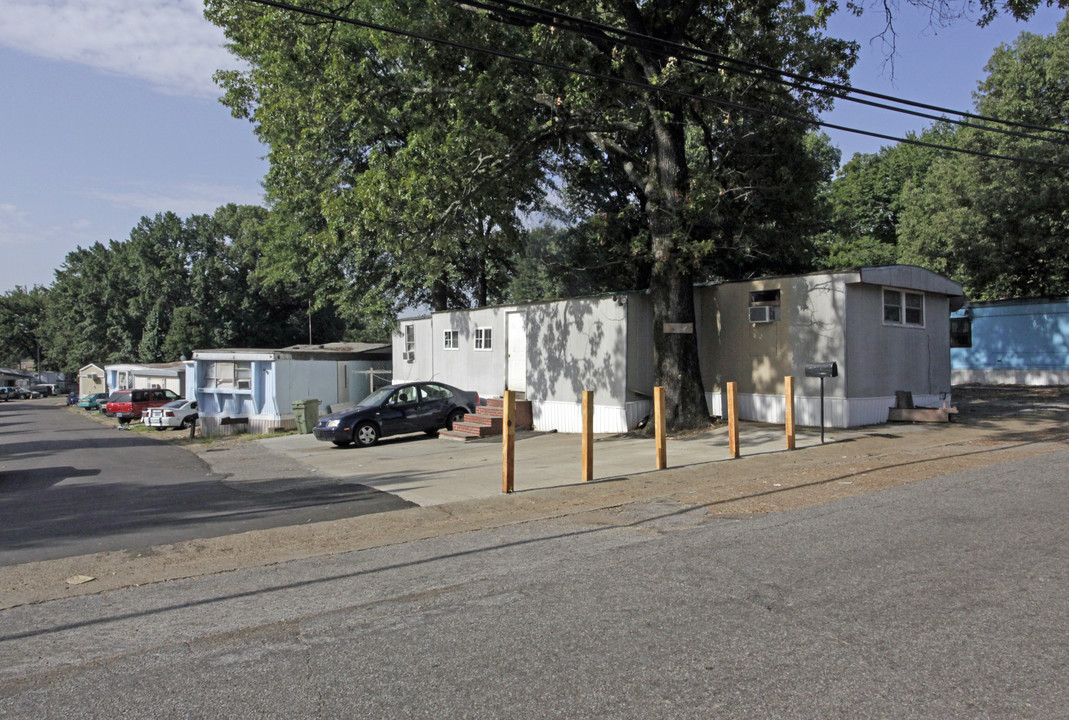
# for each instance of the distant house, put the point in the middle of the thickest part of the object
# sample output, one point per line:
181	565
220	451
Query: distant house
887	328
10	377
1011	342
254	390
91	380
132	376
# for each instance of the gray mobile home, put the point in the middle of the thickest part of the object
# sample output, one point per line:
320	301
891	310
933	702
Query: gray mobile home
887	328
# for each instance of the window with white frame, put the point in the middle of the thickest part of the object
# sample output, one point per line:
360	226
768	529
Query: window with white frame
451	340
903	308
483	339
410	338
228	375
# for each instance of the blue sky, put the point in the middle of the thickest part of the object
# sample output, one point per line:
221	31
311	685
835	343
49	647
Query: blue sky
108	113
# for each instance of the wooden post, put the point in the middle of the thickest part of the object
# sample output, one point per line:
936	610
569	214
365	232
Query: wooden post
788	397
733	420
508	443
659	427
588	435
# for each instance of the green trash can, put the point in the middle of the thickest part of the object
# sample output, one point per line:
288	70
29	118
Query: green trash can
306	412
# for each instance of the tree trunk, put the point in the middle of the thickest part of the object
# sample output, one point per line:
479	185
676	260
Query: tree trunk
484	286
439	295
676	365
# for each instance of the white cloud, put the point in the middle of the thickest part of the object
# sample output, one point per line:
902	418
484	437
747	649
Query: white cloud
183	200
165	42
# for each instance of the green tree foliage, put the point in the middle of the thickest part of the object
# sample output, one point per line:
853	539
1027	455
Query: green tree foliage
84	301
864	202
395	161
176	286
22	314
1000	227
410	164
588	258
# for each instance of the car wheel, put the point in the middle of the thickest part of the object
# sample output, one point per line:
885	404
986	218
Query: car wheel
455	417
366	434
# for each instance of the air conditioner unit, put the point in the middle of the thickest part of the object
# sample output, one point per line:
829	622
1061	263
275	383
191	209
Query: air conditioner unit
762	314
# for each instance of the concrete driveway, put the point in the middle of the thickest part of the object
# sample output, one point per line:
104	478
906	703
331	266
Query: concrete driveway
430	471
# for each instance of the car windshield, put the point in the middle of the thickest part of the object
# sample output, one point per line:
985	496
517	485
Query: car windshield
376	398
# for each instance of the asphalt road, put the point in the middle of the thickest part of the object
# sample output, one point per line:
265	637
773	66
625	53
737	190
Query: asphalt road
945	598
71	486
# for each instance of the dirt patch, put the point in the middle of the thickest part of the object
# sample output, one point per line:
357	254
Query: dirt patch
1006	401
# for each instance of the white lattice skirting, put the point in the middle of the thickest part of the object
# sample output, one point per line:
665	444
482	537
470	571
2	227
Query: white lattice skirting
568	417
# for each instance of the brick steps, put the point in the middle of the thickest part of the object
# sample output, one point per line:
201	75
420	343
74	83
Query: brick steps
486	421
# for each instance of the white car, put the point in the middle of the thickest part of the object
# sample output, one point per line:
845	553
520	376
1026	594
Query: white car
175	414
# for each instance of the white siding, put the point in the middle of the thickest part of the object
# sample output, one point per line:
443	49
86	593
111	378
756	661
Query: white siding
838	412
422	367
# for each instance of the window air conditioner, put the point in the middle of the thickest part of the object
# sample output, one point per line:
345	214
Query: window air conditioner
762	314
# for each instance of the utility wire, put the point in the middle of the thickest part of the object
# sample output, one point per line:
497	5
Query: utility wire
644	86
757	70
667	48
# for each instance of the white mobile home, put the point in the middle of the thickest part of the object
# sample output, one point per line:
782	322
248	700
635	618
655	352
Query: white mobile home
129	376
254	390
548	351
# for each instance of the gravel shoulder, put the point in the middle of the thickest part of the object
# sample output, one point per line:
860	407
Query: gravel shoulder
995	425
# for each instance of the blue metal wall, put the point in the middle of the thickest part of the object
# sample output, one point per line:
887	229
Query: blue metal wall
1028	334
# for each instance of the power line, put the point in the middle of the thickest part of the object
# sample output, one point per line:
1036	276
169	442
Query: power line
757	70
642	85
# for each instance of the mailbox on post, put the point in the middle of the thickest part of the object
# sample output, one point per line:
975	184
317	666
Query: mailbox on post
822	370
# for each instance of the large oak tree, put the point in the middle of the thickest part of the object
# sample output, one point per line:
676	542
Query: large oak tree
414	162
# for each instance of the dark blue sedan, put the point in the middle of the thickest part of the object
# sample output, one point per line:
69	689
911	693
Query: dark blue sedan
397	409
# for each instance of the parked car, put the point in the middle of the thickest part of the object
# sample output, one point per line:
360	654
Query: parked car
8	392
397	409
26	393
92	402
127	405
43	389
175	414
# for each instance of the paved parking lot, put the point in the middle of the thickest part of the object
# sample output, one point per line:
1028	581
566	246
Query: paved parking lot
429	471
